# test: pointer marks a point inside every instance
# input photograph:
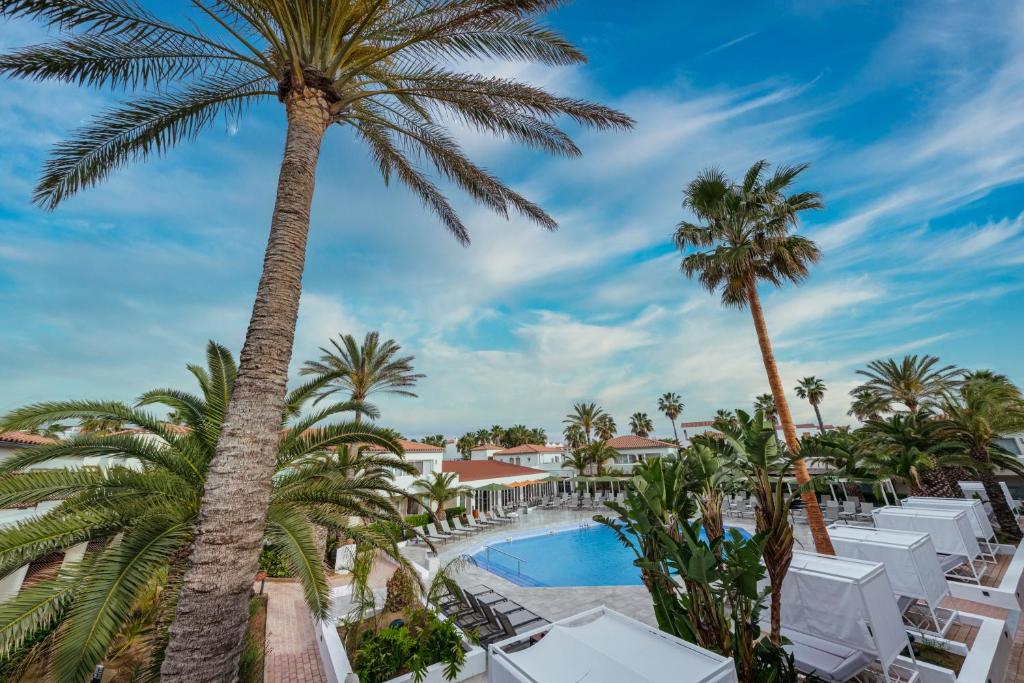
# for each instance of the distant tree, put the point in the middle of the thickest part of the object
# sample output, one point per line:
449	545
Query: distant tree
434	440
727	417
598	453
52	430
361	370
604	427
640	424
575	439
465	445
766	404
538	435
813	390
482	437
436	490
585	415
577	459
672	407
867	405
497	433
100	425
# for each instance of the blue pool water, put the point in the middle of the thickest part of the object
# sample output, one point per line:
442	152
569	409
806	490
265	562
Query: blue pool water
588	556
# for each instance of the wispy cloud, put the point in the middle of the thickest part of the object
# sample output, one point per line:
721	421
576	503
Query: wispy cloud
728	44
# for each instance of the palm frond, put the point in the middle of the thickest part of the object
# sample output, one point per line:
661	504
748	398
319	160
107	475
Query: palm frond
288	530
29	539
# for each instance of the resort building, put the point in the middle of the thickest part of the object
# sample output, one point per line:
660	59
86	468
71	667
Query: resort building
494	481
633	449
547	458
483	452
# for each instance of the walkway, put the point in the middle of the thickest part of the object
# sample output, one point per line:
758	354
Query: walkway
292	655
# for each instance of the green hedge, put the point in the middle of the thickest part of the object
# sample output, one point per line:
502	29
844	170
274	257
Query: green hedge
419	520
456	511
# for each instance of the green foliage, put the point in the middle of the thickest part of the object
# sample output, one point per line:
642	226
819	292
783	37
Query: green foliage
152	507
273	563
434	440
254	651
455	511
416	521
425	640
401	593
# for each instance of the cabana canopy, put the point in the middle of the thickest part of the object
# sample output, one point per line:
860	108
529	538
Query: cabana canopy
950	530
843	601
909	558
976	488
603	646
972	506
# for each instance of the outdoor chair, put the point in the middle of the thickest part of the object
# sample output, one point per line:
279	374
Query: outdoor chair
430	533
501	514
510	616
475	524
434	533
849	510
458	525
831	511
457	533
488	520
865	511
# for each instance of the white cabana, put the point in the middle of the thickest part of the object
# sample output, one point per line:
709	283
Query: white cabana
950	531
912	566
831	605
976	514
976	488
603	646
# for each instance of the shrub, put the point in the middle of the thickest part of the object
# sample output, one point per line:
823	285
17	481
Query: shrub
413	647
418	520
273	563
456	511
401	592
250	665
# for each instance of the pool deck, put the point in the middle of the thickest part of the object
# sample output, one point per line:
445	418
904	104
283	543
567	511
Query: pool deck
554	603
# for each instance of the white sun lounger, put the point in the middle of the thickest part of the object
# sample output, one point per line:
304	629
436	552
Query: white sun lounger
469	530
454	532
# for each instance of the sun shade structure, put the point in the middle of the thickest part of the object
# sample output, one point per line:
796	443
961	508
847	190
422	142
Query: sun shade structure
973	489
603	646
976	514
951	534
911	565
840	615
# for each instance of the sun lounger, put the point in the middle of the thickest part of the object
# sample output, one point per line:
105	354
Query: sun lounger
457	533
458	525
827	660
432	533
500	513
488	519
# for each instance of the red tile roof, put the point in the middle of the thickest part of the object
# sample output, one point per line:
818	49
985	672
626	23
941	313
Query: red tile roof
410	447
700	423
25	439
486	447
631	441
530	448
473	470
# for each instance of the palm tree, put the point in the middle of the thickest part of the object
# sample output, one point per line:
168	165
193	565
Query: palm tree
765	403
724	417
640	424
465	445
813	390
438	489
574	437
744	238
497	434
578	459
146	516
914	382
672	406
910	448
585	416
53	430
598	453
751	447
538	435
482	437
604	427
867	405
516	435
361	370
100	425
982	408
383	69
434	440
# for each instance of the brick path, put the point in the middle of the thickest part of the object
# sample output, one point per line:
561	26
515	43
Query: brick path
292	655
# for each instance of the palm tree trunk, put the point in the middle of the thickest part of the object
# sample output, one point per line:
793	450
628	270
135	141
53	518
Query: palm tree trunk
674	432
817	413
822	543
206	637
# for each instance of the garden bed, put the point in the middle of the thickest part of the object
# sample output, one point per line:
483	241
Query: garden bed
934	654
251	665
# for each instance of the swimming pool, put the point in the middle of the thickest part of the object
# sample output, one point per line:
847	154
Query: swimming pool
578	556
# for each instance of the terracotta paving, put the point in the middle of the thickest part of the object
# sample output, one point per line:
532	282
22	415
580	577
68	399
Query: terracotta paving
292	655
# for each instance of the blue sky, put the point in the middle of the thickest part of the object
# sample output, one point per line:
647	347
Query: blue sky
912	115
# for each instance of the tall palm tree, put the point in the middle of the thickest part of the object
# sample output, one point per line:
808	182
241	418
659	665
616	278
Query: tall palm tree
574	436
744	237
361	370
100	425
867	405
146	516
465	445
383	69
577	459
812	390
538	435
640	424
585	416
672	406
982	408
914	382
516	435
604	427
497	434
438	489
434	440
